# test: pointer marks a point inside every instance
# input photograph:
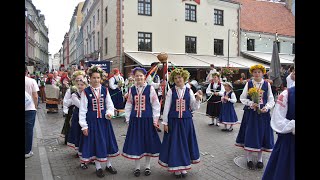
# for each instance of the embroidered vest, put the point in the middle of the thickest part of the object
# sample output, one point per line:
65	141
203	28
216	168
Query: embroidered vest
264	98
96	104
180	108
141	105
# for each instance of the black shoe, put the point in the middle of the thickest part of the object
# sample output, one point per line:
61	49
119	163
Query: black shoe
250	164
211	124
178	176
224	129
136	172
259	165
230	129
217	124
83	166
111	169
147	172
184	175
99	173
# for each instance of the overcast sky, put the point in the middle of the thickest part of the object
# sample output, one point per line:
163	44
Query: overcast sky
58	15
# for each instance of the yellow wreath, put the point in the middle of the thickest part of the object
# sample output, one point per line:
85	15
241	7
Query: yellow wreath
258	66
179	71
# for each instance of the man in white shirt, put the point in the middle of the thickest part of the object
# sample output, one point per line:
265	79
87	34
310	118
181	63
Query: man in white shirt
212	71
31	87
291	79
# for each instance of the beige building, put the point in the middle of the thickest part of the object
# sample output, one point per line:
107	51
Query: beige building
74	29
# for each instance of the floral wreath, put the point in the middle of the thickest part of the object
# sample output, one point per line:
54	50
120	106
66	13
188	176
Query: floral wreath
139	69
77	73
95	69
215	74
258	66
179	71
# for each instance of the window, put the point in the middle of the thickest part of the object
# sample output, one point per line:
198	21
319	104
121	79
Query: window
218	46
250	44
98	16
144	41
144	7
106	45
94	44
218	17
191	44
93	20
106	14
191	11
293	48
98	41
278	43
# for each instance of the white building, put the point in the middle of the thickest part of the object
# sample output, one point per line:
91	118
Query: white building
56	61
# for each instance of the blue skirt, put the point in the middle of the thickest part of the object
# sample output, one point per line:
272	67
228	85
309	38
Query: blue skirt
75	130
281	164
228	114
179	147
142	139
117	98
242	130
258	134
100	142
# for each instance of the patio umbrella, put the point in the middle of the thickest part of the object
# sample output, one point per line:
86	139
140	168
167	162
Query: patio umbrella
275	66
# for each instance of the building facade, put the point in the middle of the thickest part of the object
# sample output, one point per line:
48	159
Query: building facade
37	33
56	61
65	51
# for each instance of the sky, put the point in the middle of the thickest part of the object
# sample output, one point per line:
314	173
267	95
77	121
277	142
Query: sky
58	15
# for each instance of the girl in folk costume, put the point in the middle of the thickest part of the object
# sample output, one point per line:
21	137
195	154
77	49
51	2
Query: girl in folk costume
75	129
116	82
215	90
142	112
256	134
68	106
228	114
281	164
179	147
97	141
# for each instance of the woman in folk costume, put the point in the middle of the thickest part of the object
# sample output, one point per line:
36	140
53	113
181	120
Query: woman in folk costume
228	115
215	89
179	147
97	141
116	82
256	134
281	164
142	113
68	106
52	95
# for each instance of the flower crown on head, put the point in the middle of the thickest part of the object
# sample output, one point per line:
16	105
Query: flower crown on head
179	71
140	69
95	69
77	73
258	66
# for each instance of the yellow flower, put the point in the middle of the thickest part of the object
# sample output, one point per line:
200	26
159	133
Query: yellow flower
258	66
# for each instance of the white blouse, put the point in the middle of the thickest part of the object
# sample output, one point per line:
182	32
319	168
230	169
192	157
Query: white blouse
194	104
75	100
233	98
150	82
84	104
67	101
112	81
153	99
279	122
244	100
209	91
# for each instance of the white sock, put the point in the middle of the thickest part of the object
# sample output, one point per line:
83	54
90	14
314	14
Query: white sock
98	165
260	156
177	172
137	163
212	120
249	156
148	162
225	126
184	172
108	162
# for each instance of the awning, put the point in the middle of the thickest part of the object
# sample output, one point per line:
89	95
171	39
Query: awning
145	59
266	57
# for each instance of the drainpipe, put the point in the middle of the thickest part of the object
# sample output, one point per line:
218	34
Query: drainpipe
121	53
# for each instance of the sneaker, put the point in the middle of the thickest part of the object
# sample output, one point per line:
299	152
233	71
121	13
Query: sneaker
28	155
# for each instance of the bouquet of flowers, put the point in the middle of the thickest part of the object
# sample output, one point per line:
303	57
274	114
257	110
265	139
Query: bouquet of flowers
256	94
